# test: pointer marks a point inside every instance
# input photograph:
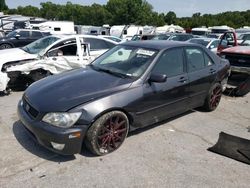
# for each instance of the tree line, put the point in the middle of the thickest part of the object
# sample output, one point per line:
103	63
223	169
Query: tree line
121	12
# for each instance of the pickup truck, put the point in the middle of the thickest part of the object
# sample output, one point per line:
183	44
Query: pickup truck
47	56
238	55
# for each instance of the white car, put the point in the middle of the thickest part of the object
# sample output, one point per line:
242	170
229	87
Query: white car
210	43
49	55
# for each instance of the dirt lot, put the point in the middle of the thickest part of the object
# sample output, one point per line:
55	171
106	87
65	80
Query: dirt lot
173	154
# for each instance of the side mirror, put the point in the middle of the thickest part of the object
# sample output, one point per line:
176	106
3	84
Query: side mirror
158	78
17	36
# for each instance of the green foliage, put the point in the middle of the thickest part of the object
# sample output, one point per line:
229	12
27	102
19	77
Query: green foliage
3	5
117	12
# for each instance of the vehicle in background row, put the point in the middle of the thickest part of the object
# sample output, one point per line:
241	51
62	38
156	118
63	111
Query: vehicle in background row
92	30
243	37
46	56
20	38
55	27
173	37
143	37
201	31
125	32
113	38
239	58
211	44
220	30
243	30
133	85
162	36
169	29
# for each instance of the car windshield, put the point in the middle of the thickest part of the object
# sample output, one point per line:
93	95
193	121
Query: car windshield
11	34
200	41
37	46
125	61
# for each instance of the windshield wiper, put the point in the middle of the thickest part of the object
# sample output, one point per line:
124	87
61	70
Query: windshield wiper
121	75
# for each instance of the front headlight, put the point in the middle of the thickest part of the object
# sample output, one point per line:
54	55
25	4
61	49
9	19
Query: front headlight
62	119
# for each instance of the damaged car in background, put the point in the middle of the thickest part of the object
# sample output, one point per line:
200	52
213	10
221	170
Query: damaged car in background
50	55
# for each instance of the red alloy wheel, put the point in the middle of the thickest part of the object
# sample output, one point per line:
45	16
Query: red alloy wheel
215	97
112	134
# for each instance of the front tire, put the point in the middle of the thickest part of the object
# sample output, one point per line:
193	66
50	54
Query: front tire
107	133
213	98
5	46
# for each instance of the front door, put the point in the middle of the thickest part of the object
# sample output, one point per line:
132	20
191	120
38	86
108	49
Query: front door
164	100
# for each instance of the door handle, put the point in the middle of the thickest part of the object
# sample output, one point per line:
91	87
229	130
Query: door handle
54	59
182	79
212	71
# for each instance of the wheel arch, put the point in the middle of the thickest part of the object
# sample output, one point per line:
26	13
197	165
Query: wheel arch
129	115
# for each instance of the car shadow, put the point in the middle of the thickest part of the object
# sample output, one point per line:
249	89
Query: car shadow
27	142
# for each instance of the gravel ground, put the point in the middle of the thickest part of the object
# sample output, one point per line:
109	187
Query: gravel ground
171	154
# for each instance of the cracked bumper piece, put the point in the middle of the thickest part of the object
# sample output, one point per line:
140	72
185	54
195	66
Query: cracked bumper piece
63	141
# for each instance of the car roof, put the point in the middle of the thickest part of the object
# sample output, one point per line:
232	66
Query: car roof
65	36
158	44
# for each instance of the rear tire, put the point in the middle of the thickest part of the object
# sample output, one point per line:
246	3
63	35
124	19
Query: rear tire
107	133
213	98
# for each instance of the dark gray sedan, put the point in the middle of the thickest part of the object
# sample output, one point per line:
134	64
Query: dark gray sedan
133	85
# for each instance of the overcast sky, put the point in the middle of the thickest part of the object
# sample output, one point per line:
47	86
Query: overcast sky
180	7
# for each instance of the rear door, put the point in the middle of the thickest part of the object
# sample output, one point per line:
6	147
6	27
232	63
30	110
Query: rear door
201	74
23	39
35	35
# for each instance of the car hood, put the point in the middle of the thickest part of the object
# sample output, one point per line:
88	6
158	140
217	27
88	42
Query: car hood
238	50
60	93
14	54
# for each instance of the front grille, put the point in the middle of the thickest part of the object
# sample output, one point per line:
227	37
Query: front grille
29	109
239	60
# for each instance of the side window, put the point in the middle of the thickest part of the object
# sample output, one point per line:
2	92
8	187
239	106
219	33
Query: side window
64	48
96	44
195	59
68	50
24	33
170	63
208	60
36	34
109	44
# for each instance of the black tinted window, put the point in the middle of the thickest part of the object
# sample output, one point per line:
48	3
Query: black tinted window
195	59
170	63
97	44
24	33
69	50
36	34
